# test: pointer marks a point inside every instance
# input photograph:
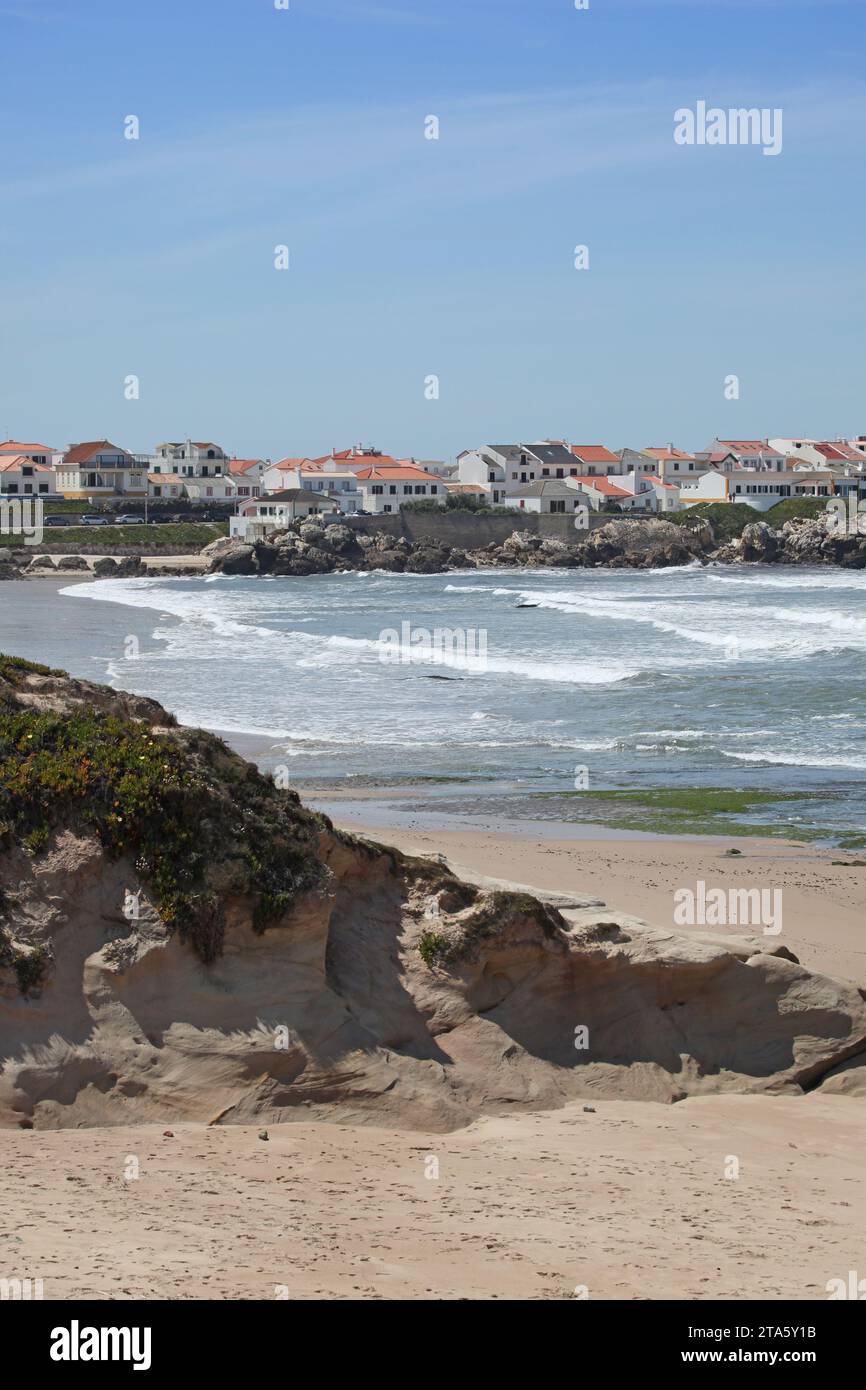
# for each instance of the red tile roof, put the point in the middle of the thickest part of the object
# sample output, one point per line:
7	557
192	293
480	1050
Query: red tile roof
593	453
839	450
358	460
81	453
12	465
242	465
605	486
392	472
9	444
747	446
667	452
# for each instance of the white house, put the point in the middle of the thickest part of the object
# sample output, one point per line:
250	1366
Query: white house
636	461
748	453
547	495
338	488
595	460
386	489
476	469
445	471
246	475
259	516
510	467
650	492
190	459
21	477
757	489
166	485
675	465
98	470
36	453
598	491
667	495
204	467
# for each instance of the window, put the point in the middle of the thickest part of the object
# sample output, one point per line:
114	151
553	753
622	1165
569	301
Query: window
407	487
43	487
545	472
387	507
557	506
392	489
12	487
26	471
377	489
420	487
434	487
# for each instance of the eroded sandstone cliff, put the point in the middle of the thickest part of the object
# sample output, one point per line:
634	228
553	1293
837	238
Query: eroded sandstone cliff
181	940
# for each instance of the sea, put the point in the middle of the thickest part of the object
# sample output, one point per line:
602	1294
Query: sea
514	690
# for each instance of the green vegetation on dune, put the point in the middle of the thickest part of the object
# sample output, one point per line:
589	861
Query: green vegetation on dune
196	821
192	534
729	519
793	507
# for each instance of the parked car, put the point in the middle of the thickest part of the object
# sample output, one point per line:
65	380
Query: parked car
129	520
58	519
94	521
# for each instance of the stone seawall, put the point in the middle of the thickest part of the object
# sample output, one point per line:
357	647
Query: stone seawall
469	531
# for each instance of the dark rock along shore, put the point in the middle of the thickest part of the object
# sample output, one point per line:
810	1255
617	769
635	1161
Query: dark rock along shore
309	547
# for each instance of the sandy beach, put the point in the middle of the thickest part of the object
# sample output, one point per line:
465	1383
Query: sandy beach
823	902
631	1201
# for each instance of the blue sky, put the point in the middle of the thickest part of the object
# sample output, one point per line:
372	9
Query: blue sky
412	257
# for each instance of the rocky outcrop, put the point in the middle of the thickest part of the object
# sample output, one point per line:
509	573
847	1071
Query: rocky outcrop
625	543
310	547
181	940
10	565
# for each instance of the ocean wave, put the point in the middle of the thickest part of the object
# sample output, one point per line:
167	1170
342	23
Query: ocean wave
856	762
793	580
